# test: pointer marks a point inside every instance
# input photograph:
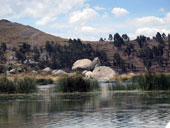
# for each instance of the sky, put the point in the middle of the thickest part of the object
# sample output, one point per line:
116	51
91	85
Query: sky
90	19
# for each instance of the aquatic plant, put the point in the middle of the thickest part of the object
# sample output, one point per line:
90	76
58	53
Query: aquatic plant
76	84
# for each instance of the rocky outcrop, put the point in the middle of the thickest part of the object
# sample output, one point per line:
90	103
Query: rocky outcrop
95	63
86	64
82	64
103	73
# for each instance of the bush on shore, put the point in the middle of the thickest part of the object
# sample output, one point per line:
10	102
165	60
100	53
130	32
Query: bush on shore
76	84
25	85
43	81
147	82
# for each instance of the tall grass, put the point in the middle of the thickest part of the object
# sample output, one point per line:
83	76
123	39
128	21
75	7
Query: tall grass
152	81
76	84
43	81
147	82
24	85
6	86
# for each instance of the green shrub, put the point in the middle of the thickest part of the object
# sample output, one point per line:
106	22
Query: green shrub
6	86
152	81
26	85
43	81
2	68
148	82
76	84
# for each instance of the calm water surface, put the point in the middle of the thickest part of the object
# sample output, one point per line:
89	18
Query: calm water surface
87	110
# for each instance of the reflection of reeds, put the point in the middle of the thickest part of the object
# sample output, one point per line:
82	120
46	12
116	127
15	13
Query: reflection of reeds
148	81
76	84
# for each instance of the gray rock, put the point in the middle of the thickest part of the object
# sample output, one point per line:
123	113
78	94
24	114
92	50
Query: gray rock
95	63
89	74
59	73
19	69
84	72
103	73
12	71
34	72
47	69
82	64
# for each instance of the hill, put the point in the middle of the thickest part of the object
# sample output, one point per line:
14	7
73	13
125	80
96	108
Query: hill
15	33
34	48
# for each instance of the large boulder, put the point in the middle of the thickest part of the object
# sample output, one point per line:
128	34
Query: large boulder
82	64
95	63
103	73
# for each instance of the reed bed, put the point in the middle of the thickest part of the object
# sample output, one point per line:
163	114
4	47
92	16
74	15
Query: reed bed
76	84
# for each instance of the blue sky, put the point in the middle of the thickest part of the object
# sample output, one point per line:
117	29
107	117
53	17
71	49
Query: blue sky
90	19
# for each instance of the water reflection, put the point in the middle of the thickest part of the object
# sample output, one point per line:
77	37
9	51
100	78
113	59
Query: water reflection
87	110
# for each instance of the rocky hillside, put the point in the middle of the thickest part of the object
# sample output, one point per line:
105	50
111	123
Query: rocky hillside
26	45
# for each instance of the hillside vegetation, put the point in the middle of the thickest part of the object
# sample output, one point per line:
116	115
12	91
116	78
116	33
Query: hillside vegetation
32	49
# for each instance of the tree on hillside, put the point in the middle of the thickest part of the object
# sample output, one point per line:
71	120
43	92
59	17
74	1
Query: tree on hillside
3	47
141	40
125	37
119	62
110	37
101	39
159	38
24	48
118	40
164	36
147	63
20	56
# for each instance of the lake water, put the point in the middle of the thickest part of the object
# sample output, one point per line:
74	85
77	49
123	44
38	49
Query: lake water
86	110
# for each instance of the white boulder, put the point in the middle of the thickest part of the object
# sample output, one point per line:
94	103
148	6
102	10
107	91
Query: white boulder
89	74
103	73
47	69
82	64
84	72
12	71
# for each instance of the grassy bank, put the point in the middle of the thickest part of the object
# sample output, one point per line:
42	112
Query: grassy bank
76	84
146	82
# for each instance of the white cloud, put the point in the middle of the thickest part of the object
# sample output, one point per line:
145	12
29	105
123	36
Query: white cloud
151	31
162	10
95	30
81	17
45	20
99	8
119	12
15	9
149	21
